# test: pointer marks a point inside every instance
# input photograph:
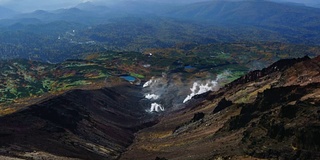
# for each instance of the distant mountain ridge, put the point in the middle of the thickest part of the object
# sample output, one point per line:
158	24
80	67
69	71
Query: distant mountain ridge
135	25
6	13
91	6
260	13
216	11
247	12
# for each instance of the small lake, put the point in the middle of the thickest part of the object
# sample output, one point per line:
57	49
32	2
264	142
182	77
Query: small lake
189	67
128	78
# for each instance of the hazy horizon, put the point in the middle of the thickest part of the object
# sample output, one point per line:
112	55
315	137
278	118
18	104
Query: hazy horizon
32	5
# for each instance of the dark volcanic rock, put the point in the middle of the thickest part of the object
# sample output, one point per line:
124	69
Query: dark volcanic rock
278	66
198	116
158	158
97	124
283	131
223	104
289	111
308	138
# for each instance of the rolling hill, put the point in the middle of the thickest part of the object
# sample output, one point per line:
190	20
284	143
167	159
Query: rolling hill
137	26
6	13
280	17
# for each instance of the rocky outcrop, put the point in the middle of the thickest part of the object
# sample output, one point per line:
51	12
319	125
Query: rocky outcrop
223	104
277	128
198	116
278	66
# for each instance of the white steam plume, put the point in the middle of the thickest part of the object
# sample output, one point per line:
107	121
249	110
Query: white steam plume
199	88
154	89
152	96
203	87
148	83
155	107
170	91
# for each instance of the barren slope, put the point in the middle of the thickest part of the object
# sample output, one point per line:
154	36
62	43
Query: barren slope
97	124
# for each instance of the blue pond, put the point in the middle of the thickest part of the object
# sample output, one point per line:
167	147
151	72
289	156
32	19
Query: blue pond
189	67
128	78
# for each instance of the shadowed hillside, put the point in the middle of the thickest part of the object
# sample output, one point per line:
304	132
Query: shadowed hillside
97	124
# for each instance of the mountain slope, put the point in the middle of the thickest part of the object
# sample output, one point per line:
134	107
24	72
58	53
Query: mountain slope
137	26
272	113
97	124
247	12
6	13
90	6
285	19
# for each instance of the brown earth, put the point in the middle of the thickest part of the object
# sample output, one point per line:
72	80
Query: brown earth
83	124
